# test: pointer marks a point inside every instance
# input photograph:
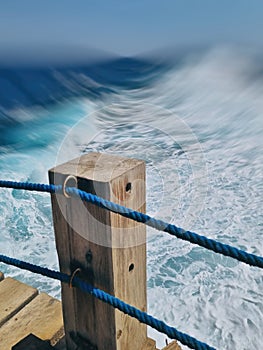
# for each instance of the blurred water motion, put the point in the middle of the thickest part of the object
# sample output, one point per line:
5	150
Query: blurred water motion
196	119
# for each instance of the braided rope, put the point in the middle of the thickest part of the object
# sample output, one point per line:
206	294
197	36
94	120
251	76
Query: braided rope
215	246
141	316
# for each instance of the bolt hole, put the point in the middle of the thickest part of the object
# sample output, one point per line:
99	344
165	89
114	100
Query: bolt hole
128	187
119	333
89	257
131	267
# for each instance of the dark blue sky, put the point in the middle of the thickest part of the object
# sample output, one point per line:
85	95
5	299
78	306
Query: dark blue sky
129	27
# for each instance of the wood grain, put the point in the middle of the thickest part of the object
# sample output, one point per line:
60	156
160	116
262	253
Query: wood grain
149	344
110	249
14	295
41	317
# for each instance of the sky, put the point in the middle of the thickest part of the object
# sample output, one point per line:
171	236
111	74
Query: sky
127	27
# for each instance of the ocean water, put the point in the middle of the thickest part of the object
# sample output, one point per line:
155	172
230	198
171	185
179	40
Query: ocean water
197	121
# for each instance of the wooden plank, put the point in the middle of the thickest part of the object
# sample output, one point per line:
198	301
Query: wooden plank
172	346
110	249
1	276
41	317
14	295
150	344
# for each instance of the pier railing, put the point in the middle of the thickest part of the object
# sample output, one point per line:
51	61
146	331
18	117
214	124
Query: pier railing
98	204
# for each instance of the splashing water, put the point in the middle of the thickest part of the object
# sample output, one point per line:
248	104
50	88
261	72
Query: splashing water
199	127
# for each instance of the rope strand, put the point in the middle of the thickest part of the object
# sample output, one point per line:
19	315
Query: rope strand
178	232
192	237
141	316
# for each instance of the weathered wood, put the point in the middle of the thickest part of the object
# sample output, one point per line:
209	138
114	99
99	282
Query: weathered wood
150	344
42	317
1	276
172	346
14	295
110	249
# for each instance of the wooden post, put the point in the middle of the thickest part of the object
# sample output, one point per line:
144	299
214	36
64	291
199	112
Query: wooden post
109	249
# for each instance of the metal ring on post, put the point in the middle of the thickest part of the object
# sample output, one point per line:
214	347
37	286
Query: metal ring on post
68	178
73	275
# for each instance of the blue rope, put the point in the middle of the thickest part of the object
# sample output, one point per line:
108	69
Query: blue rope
215	246
141	316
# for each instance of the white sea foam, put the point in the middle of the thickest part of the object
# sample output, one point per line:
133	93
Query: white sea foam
199	127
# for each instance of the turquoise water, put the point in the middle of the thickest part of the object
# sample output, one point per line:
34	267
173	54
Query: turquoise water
199	127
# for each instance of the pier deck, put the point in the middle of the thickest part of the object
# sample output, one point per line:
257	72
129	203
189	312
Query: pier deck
24	311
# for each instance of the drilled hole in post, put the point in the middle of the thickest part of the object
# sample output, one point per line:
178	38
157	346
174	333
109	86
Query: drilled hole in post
131	267
119	333
128	187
